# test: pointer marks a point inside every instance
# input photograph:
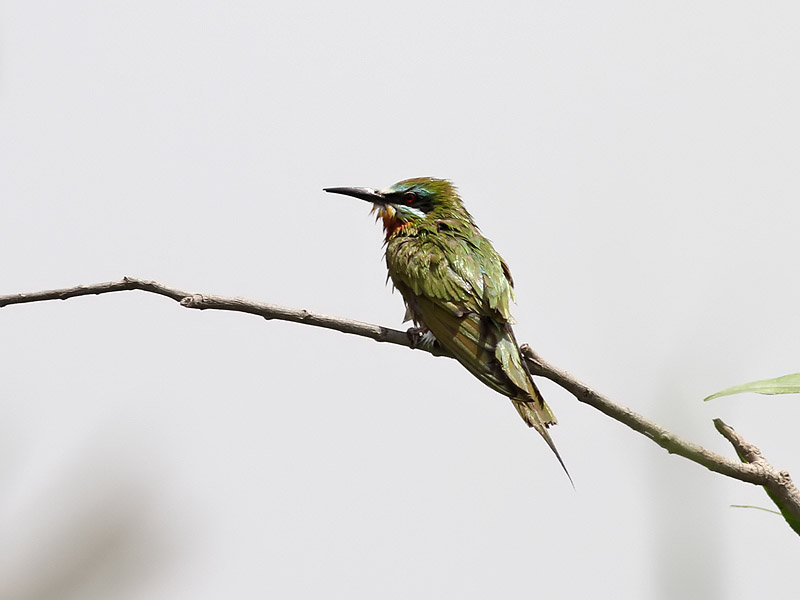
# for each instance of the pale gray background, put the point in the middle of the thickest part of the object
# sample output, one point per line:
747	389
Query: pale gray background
636	164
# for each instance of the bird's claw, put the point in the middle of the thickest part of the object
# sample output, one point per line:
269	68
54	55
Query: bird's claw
421	337
415	336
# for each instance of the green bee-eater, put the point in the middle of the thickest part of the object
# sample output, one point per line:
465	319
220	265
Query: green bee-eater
456	287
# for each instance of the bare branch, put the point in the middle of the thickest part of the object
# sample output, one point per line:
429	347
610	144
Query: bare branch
204	302
666	439
127	283
779	485
753	468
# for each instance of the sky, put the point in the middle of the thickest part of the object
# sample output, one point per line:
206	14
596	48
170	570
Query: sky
635	163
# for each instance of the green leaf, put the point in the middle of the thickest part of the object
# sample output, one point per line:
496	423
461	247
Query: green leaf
769	510
786	384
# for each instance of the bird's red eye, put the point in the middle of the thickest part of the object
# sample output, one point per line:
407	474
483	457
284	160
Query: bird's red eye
410	197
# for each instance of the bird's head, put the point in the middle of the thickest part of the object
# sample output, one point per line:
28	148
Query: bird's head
411	202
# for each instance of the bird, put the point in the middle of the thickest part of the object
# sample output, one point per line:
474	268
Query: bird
456	287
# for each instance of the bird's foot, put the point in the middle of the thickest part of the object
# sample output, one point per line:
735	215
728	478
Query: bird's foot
421	337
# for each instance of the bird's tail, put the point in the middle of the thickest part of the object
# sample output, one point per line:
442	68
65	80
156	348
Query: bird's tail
536	414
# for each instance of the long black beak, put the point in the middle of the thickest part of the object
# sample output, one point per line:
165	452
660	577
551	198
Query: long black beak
363	193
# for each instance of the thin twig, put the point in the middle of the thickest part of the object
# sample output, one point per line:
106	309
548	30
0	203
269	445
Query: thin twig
753	468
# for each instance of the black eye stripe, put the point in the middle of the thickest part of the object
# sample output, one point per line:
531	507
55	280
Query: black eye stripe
414	199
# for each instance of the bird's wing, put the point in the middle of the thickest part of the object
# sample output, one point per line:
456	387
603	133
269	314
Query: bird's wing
463	270
459	289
